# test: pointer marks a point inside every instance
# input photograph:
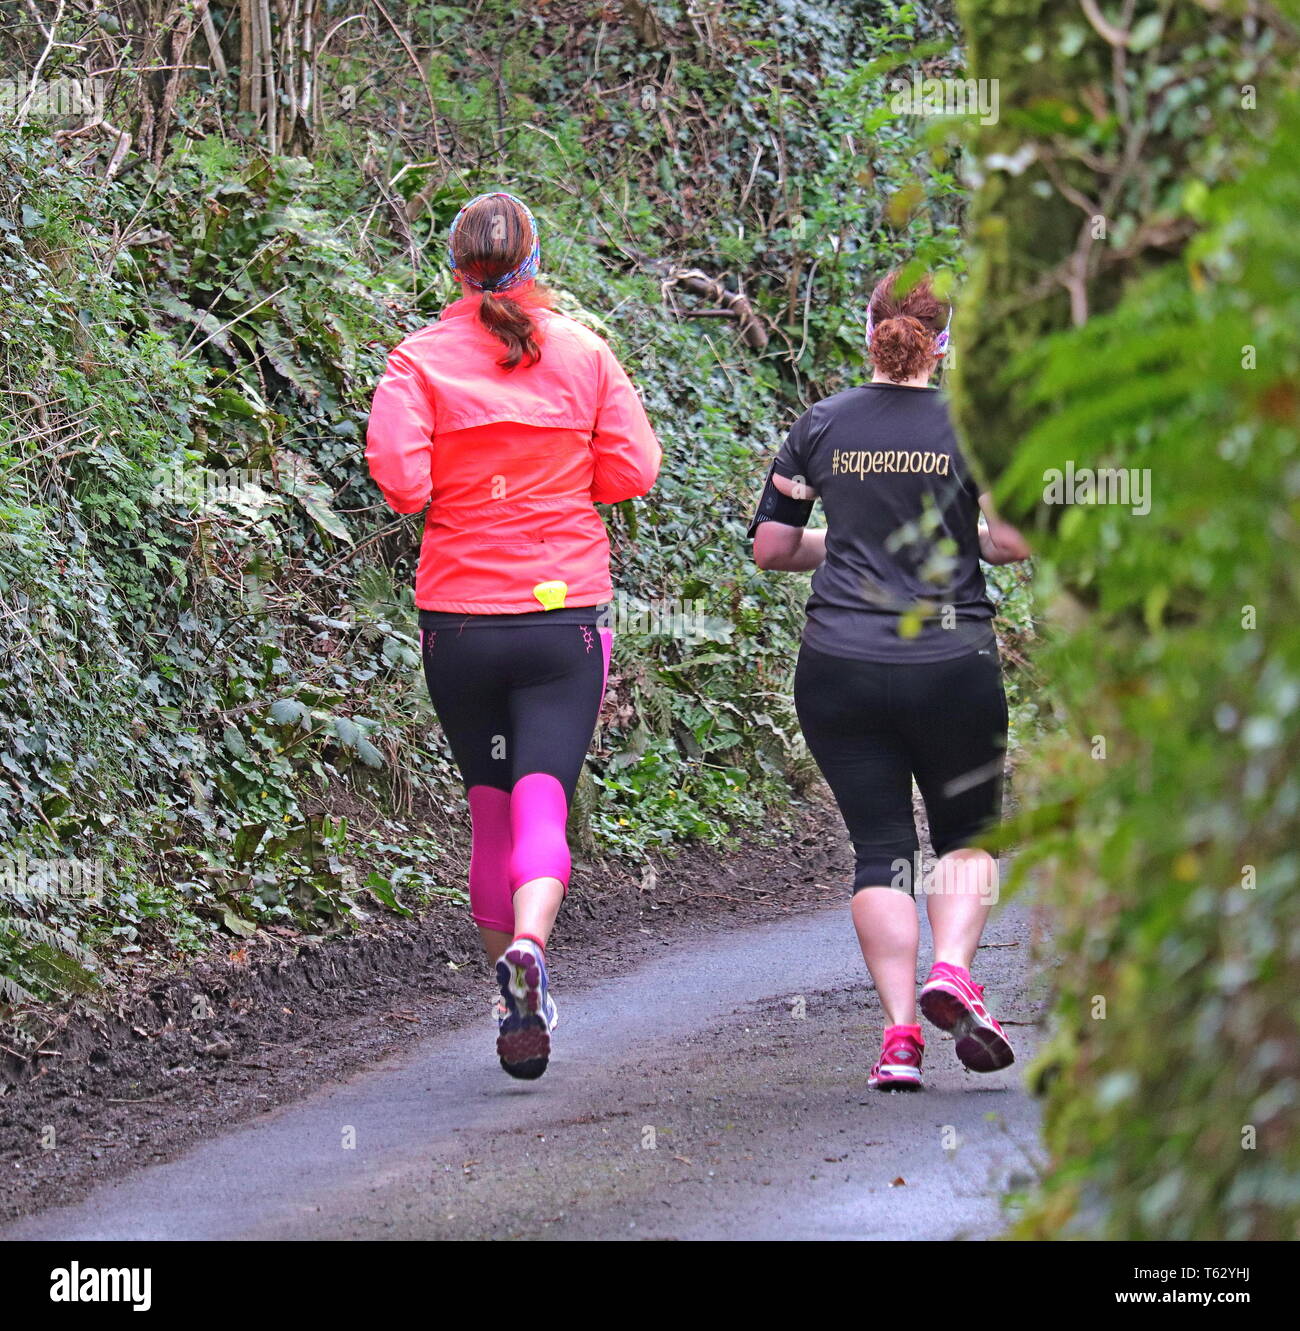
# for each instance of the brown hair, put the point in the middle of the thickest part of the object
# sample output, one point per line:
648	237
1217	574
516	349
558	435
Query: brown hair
493	237
902	341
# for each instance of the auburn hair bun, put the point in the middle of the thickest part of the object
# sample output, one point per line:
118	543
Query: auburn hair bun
902	339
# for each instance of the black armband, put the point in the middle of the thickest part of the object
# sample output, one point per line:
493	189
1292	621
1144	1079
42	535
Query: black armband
773	506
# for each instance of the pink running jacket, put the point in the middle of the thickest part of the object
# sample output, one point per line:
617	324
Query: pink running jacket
509	462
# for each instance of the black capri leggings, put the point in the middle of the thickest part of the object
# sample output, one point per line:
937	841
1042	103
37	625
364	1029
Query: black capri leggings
872	727
518	703
516	699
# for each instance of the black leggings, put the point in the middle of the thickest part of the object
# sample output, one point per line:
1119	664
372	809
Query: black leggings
517	699
872	727
518	704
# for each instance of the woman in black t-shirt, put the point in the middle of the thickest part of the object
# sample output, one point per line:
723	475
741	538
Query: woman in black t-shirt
898	673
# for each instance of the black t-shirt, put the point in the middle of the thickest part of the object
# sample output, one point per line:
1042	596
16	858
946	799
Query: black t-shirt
902	578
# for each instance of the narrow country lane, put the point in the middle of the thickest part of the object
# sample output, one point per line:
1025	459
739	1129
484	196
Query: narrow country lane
687	1099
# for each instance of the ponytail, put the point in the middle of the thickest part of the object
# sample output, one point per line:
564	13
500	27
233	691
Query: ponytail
494	250
513	326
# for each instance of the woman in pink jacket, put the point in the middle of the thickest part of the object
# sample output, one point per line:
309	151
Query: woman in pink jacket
510	422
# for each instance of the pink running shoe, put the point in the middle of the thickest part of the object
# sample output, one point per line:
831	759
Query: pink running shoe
954	1002
899	1068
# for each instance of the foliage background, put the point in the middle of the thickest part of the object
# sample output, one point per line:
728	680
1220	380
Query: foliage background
1166	808
212	690
210	686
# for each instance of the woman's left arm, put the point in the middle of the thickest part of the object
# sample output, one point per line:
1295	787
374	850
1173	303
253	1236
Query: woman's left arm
1000	542
627	453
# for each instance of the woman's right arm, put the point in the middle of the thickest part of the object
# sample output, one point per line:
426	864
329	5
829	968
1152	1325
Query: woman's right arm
399	436
781	540
789	549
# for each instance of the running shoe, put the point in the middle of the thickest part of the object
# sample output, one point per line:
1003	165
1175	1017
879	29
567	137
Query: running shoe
500	1011
899	1068
954	1002
524	1032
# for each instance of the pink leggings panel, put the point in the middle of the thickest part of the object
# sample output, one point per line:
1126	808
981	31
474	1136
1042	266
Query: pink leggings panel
539	846
519	835
606	647
489	862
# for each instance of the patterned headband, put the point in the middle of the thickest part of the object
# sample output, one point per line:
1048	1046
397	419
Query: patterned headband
523	273
940	339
